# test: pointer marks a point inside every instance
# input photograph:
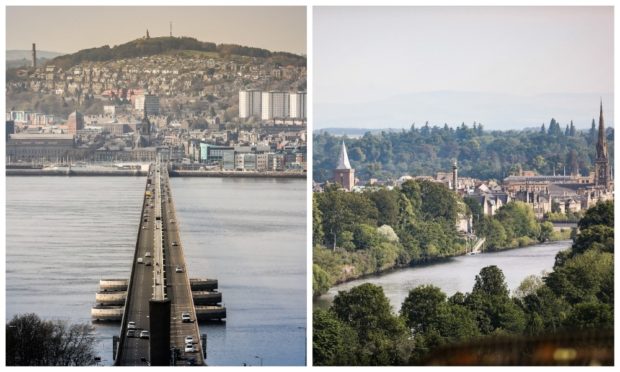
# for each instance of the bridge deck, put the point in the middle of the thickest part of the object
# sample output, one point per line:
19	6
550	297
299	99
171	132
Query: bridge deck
147	279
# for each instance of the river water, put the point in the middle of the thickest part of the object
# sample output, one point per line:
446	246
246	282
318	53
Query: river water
64	234
458	274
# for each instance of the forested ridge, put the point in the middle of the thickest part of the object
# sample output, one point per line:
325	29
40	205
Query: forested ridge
361	328
481	153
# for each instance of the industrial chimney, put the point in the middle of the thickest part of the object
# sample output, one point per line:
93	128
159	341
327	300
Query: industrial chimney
34	56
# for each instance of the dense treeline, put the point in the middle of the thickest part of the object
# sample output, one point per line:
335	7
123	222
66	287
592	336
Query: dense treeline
481	154
361	329
355	234
32	341
157	45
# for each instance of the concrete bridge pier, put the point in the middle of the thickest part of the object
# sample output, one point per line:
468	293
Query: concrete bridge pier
159	324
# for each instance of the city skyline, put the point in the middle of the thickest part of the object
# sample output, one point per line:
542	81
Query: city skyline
507	67
219	24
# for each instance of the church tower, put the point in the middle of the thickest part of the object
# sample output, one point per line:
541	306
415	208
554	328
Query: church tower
344	174
601	170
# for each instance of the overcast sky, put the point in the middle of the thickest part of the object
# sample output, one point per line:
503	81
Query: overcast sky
69	29
370	54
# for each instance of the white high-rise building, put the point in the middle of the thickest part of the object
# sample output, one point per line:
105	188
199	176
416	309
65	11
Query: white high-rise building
275	105
297	105
249	103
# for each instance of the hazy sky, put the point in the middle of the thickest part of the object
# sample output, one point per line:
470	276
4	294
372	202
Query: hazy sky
69	29
369	54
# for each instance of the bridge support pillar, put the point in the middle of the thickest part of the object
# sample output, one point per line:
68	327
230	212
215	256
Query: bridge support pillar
159	324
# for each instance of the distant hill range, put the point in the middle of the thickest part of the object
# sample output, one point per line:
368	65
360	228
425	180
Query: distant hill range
158	45
493	110
20	58
355	132
13	55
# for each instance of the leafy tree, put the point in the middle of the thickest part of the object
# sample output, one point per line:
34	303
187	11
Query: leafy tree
365	236
422	307
491	304
31	341
333	342
386	202
491	282
596	237
317	223
583	277
546	229
381	334
321	281
591	315
601	214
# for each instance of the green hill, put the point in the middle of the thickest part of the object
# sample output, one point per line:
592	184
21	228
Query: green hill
158	45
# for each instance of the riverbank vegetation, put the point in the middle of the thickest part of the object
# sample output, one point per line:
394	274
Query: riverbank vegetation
360	327
357	234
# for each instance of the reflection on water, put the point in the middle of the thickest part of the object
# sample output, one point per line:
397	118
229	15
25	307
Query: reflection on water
458	274
250	234
64	234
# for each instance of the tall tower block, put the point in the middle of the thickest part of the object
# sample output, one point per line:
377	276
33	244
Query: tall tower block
34	56
344	174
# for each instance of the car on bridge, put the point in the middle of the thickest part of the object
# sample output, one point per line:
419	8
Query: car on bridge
179	269
174	244
131	325
186	318
189	340
144	334
131	333
189	348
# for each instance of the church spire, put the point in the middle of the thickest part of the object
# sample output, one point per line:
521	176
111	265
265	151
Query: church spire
343	159
601	146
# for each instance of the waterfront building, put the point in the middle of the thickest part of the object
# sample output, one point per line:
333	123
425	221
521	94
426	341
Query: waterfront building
49	147
344	174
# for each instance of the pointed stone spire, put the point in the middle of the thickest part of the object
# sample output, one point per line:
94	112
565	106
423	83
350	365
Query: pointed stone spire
343	159
601	146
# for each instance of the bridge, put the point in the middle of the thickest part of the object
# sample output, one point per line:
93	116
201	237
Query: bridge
564	225
159	305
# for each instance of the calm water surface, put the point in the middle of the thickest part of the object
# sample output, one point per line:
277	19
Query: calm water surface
458	274
64	234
